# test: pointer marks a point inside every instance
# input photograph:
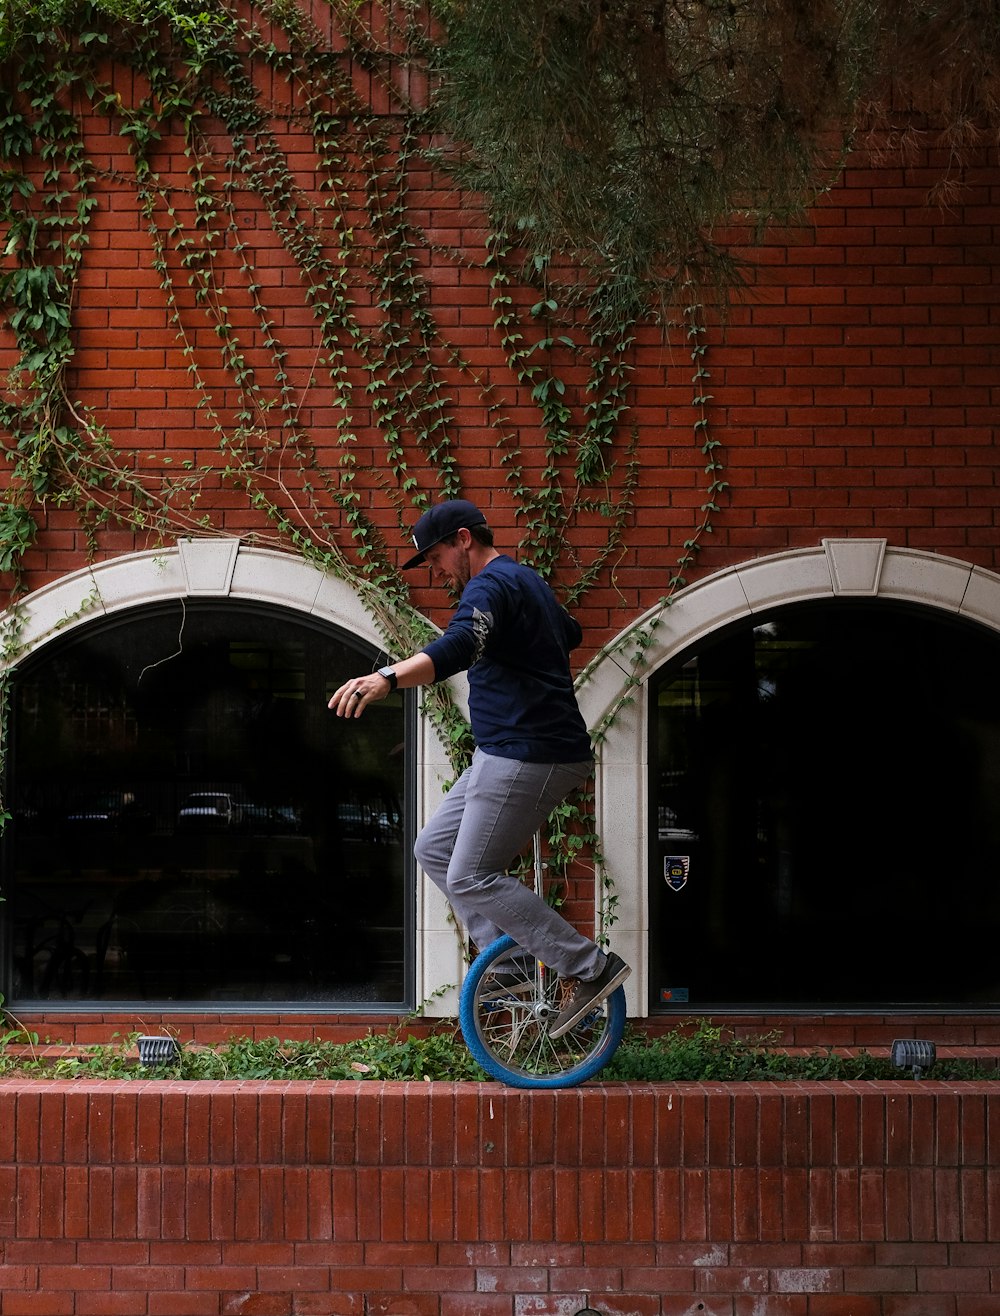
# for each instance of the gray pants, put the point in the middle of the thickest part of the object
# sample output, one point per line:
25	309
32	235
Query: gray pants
486	819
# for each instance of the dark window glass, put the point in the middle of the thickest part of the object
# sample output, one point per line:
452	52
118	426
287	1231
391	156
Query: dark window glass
825	822
192	824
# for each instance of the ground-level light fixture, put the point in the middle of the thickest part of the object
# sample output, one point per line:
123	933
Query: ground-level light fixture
913	1054
155	1051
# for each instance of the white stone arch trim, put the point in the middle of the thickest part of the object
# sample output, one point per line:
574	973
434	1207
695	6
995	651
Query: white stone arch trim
226	568
836	568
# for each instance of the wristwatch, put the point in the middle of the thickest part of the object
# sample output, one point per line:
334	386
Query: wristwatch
390	675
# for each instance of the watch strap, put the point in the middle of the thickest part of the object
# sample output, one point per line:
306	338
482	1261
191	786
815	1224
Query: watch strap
390	675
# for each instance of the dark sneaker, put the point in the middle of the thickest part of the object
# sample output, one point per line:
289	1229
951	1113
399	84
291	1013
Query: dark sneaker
586	996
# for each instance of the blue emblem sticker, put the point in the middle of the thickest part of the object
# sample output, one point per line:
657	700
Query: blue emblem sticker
673	995
675	870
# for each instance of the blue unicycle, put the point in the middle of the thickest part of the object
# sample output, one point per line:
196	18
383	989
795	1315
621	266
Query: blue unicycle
508	1003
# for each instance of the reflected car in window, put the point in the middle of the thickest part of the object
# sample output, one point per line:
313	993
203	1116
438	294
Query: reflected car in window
109	810
209	810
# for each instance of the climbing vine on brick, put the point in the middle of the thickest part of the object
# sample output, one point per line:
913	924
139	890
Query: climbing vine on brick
252	136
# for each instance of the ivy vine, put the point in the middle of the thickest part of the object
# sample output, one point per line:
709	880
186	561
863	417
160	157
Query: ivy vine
226	87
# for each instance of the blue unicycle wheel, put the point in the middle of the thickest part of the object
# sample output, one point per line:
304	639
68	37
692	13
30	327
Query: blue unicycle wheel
509	1002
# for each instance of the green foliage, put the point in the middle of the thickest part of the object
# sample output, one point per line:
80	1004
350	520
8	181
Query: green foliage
202	64
17	534
13	1034
702	1053
391	1056
632	134
709	1053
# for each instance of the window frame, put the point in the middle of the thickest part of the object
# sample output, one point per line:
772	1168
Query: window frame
368	655
862	567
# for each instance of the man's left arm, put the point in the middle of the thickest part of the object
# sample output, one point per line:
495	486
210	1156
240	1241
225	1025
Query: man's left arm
573	631
355	695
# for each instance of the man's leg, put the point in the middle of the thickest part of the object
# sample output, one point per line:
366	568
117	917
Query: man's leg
434	849
504	803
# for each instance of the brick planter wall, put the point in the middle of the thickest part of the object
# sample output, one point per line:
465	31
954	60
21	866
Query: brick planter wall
341	1199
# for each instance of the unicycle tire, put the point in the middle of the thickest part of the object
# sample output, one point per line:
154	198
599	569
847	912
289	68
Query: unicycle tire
507	1005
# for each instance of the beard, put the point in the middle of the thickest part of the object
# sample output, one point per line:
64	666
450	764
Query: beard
458	581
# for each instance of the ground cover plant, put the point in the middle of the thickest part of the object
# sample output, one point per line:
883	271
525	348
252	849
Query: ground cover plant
702	1052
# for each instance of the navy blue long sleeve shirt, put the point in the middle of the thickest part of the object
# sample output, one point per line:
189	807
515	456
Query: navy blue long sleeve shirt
513	638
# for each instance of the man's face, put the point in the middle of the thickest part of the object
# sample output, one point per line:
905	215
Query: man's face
449	563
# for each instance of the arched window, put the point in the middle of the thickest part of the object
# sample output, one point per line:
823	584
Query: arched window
191	824
824	825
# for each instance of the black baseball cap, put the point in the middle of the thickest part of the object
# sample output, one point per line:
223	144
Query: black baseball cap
440	522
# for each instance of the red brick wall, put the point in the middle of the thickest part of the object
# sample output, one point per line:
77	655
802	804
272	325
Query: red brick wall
857	393
853	389
218	1199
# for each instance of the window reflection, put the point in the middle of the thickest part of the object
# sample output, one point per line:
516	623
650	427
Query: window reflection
191	823
824	784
